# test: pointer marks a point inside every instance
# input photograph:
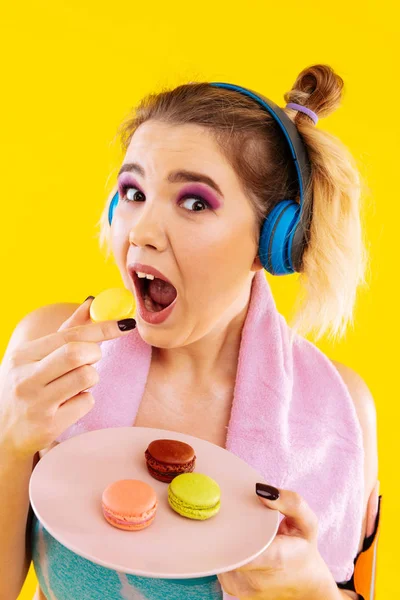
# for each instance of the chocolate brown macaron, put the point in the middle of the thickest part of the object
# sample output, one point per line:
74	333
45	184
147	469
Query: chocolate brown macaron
167	459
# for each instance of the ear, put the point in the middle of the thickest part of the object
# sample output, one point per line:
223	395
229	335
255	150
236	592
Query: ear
256	266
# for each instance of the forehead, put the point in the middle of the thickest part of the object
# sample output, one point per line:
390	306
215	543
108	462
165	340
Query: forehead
155	144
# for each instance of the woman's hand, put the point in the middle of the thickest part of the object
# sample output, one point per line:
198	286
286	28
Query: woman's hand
44	382
291	567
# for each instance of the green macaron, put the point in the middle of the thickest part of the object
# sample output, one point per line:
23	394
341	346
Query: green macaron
195	496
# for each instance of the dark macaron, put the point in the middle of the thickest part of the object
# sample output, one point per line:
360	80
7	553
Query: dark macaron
167	459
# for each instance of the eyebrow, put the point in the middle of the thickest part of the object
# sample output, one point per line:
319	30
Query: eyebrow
175	176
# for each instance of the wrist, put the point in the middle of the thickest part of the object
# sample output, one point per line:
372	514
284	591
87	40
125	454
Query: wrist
11	456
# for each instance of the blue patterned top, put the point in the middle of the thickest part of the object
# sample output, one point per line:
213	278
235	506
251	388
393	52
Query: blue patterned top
63	575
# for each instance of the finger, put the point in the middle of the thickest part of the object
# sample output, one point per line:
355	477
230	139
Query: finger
93	332
69	385
81	316
72	411
63	360
300	519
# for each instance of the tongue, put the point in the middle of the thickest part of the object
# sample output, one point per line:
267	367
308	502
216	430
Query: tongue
161	292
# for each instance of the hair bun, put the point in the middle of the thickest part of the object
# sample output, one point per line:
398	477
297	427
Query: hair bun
317	87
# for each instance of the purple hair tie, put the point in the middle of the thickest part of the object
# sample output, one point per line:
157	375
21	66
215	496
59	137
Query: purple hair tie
303	109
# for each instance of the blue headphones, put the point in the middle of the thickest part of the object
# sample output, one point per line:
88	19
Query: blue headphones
283	235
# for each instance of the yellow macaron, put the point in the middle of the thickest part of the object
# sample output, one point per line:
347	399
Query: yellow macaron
113	304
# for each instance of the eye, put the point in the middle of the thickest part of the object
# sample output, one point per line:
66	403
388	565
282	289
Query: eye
128	195
198	201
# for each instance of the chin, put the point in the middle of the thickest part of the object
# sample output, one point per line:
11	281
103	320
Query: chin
157	337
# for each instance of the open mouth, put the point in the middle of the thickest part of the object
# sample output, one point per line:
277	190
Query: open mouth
156	294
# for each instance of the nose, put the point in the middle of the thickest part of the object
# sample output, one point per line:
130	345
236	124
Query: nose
147	229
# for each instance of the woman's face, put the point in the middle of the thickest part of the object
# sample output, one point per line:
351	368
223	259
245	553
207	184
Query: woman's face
203	241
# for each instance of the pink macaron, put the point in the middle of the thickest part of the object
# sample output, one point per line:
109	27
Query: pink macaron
129	504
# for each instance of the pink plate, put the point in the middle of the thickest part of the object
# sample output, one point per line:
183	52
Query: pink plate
65	492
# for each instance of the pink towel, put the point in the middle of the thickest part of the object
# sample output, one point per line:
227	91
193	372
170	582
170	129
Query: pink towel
292	419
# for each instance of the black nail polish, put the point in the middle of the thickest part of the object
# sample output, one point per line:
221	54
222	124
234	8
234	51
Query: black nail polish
126	324
267	491
92	298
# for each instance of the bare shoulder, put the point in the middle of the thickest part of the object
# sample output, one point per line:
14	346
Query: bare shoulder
365	408
43	320
363	400
37	323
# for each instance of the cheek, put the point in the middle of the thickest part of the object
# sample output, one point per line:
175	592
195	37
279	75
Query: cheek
222	261
119	244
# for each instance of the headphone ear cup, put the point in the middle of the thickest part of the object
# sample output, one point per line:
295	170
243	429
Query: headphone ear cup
112	207
276	238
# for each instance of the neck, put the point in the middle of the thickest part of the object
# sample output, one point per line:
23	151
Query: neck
214	356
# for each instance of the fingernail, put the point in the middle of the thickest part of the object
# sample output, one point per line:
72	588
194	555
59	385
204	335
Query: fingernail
92	297
267	491
126	324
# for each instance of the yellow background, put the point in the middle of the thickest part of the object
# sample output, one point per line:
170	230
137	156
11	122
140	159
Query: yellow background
71	71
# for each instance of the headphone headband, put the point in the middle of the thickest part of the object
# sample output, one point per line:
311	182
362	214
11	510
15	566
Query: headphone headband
296	144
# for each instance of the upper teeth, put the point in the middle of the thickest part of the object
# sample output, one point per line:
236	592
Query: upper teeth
142	275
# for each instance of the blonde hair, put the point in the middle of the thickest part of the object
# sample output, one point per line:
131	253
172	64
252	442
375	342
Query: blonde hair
335	259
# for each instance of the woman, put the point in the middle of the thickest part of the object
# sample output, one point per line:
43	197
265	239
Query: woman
203	168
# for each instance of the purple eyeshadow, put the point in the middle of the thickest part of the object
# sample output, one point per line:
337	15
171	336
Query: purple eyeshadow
203	191
127	179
